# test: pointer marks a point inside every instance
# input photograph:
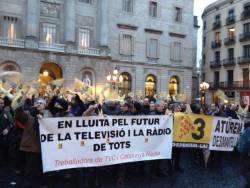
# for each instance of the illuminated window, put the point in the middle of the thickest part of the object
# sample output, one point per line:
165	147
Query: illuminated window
231	32
84	38
150	85
173	86
49	33
9	27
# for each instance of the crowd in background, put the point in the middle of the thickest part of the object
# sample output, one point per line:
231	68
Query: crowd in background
20	144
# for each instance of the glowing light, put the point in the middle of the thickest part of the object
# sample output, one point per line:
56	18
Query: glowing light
114	78
115	71
120	78
109	77
45	73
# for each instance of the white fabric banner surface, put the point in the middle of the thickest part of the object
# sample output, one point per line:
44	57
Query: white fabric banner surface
98	141
225	133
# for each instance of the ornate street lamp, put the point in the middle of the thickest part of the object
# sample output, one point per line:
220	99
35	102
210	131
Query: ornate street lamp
204	86
114	79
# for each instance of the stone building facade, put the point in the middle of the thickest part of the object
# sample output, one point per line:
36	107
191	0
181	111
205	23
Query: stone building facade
150	42
226	49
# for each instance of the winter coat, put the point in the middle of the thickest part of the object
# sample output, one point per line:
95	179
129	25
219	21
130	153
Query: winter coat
244	149
5	122
30	141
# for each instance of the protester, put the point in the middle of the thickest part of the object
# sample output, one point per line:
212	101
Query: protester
5	126
30	145
244	149
24	142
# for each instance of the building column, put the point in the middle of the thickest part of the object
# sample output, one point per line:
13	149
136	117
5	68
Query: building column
139	80
103	20
70	21
164	81
32	21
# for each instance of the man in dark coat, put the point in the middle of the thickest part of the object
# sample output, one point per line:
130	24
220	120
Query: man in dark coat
244	149
5	125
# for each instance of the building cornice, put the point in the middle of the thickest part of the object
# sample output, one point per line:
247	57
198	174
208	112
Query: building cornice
127	26
215	6
155	65
154	31
178	35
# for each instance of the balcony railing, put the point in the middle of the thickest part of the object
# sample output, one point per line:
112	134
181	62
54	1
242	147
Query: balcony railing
230	85
216	25
229	40
229	62
214	85
230	20
244	37
88	51
215	64
245	84
17	43
243	60
245	14
216	44
53	47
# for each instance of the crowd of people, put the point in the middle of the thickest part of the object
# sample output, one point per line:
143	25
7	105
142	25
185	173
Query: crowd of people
20	143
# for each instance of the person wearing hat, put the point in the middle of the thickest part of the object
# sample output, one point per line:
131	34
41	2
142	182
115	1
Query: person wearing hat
244	149
58	107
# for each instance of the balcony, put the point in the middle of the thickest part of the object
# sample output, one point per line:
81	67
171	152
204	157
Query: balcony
245	84
229	62
245	15
230	20
229	40
88	51
215	64
52	47
244	37
214	85
243	60
216	25
230	85
216	44
16	43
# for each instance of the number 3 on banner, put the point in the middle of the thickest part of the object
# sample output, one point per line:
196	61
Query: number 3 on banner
201	126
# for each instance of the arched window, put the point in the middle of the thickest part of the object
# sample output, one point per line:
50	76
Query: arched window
174	86
125	86
150	85
9	66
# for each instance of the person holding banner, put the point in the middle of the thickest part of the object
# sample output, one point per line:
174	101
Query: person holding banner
30	145
90	175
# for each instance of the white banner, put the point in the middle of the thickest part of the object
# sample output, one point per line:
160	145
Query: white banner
225	133
98	141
